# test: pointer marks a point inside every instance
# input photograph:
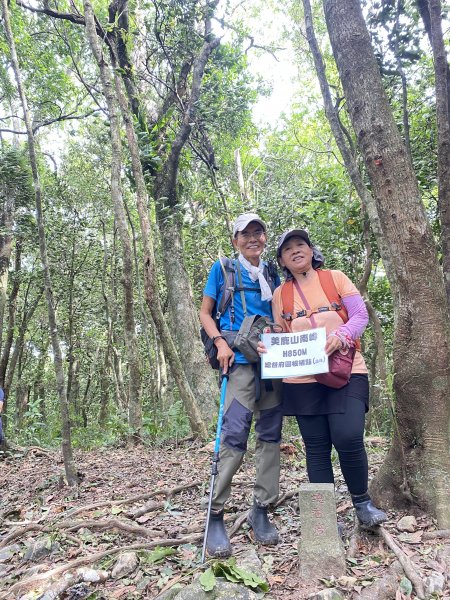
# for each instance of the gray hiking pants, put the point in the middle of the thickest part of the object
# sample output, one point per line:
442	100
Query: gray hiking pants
240	407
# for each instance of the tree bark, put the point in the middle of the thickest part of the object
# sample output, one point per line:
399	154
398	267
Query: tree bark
419	456
69	464
134	401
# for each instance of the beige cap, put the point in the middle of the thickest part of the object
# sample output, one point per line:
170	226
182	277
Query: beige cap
245	219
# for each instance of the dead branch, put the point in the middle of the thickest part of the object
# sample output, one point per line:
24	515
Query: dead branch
408	567
440	534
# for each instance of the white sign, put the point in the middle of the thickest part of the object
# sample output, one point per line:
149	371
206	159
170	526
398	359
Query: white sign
294	354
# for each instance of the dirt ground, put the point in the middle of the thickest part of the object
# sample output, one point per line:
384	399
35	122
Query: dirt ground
90	526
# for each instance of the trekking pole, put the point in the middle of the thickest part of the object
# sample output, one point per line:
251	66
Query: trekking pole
215	459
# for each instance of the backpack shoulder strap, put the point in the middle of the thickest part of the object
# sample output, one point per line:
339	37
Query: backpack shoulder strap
270	274
287	302
229	283
328	286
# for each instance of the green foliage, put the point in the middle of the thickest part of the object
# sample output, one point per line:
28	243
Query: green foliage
293	172
230	571
155	556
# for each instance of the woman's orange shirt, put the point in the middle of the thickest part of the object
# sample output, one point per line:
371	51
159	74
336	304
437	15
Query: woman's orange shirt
316	298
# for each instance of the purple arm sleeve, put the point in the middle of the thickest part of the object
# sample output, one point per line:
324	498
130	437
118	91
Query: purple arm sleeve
357	316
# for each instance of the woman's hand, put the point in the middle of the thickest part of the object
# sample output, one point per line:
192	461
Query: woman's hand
225	355
333	344
260	348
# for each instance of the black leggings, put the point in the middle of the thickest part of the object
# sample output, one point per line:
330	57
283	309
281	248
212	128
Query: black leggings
345	431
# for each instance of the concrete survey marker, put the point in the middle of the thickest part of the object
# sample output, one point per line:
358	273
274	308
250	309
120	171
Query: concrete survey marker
320	548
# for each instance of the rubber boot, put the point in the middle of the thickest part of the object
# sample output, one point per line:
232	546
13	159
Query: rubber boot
265	533
217	543
368	514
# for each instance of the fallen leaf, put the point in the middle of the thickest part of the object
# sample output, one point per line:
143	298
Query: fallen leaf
144	518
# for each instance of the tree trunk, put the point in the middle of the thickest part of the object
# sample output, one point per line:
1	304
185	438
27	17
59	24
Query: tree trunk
419	457
184	320
6	240
38	385
368	206
350	161
12	308
134	401
69	464
441	75
150	281
104	390
183	315
22	397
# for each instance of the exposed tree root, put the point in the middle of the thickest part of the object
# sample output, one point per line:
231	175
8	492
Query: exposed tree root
238	523
441	534
26	450
353	542
385	587
108	524
75	525
27	584
161	492
409	568
285	497
148	507
68	580
19	532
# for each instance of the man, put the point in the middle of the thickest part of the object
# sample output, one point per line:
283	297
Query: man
246	395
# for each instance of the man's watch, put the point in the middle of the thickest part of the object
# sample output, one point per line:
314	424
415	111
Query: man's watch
217	337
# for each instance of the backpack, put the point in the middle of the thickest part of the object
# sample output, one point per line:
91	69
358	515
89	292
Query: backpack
228	289
328	286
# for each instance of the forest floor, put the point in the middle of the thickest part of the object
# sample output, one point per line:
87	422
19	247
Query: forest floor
47	530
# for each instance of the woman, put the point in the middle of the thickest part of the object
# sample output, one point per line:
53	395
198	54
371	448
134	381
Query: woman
327	416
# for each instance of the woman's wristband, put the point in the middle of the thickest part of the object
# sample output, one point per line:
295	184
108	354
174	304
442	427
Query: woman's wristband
217	337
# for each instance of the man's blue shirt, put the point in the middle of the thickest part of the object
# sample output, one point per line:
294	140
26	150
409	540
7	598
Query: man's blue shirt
255	306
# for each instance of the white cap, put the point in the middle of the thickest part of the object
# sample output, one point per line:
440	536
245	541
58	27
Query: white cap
245	219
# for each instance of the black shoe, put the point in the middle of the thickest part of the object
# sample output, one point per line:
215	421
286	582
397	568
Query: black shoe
368	514
217	543
265	532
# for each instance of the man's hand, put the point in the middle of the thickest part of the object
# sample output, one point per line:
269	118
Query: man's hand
225	354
